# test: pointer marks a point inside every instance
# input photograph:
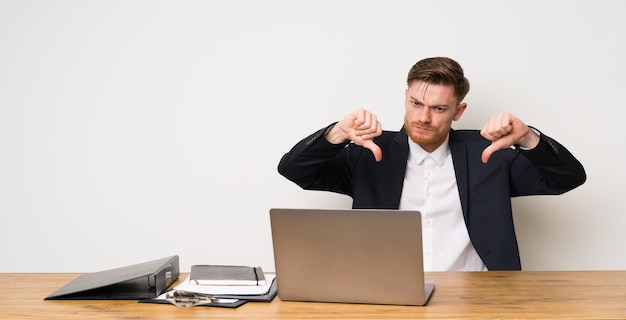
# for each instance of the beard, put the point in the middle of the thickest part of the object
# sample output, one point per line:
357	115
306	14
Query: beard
430	139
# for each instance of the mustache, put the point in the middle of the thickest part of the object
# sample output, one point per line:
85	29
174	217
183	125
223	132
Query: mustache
422	125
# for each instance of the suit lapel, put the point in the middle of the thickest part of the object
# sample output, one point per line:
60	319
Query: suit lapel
459	159
400	151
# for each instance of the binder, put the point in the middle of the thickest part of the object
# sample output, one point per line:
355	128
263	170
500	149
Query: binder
139	281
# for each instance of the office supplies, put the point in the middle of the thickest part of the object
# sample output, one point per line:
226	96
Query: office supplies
189	299
143	280
187	294
350	256
226	275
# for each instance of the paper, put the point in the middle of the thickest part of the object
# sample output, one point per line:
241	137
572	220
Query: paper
227	290
226	275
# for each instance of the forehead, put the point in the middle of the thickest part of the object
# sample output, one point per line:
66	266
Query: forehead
432	93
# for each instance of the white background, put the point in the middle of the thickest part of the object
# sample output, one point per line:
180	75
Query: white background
135	130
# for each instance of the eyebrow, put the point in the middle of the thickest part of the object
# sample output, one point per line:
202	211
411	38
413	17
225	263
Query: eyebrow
434	105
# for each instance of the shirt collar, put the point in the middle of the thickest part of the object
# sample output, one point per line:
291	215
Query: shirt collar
439	155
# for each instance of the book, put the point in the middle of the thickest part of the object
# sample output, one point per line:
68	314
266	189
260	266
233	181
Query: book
226	275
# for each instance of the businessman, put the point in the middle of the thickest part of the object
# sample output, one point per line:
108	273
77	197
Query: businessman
461	180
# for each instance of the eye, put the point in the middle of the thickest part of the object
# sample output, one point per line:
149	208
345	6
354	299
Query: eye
439	109
417	104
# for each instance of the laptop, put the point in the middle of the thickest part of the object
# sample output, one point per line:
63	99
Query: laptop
349	256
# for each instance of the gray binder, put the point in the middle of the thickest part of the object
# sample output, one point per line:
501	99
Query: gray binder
139	281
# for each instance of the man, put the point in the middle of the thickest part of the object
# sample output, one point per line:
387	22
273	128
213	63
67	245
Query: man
461	180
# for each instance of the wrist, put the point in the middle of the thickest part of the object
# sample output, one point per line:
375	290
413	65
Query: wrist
530	140
335	135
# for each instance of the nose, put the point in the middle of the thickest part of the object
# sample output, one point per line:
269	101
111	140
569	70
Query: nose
424	115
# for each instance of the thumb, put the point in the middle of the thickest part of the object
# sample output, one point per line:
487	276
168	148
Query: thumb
502	143
378	154
488	152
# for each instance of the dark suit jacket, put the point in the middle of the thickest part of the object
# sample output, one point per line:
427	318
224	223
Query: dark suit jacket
485	189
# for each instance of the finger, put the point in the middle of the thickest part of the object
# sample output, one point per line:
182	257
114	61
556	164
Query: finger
360	118
367	124
487	153
371	131
490	135
487	129
378	153
497	127
498	144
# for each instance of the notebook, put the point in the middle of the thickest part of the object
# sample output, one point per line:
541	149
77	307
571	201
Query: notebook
349	256
226	275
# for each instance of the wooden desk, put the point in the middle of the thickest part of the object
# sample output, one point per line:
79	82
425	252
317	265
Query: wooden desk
478	295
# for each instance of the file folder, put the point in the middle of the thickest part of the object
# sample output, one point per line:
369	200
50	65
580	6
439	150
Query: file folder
139	281
209	296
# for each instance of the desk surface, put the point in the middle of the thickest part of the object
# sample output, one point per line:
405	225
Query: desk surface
512	294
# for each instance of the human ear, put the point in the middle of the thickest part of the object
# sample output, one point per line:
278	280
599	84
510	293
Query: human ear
459	111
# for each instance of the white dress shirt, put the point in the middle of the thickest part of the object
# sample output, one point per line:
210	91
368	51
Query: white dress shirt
430	187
